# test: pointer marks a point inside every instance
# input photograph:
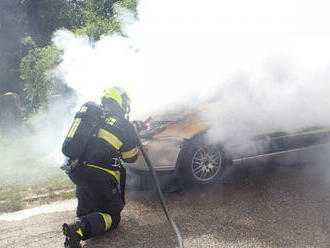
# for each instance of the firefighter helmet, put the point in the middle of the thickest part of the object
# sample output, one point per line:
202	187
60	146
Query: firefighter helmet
120	96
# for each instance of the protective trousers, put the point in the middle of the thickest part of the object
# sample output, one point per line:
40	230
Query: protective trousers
99	206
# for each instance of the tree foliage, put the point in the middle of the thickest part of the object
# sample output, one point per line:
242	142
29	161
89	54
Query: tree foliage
99	17
96	26
26	53
45	16
35	71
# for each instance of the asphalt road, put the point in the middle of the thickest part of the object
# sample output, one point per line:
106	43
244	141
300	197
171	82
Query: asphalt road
263	205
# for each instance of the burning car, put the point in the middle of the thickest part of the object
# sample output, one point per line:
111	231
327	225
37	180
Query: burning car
178	146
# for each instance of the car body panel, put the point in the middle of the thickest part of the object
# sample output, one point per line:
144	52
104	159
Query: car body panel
162	151
195	123
164	146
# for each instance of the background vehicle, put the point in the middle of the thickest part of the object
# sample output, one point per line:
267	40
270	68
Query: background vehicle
179	148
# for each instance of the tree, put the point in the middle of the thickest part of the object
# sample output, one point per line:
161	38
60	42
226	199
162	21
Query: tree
46	16
37	19
35	71
26	54
98	16
96	26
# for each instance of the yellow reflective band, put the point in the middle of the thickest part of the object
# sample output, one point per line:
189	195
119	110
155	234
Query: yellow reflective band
74	127
111	121
83	109
107	221
80	233
116	174
130	154
110	138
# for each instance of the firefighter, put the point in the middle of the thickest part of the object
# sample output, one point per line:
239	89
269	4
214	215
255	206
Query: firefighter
100	176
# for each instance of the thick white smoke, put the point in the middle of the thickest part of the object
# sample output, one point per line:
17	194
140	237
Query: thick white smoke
268	62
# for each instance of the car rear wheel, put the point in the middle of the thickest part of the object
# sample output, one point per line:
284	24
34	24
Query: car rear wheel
201	163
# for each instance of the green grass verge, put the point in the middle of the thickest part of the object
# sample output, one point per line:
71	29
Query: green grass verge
23	190
30	173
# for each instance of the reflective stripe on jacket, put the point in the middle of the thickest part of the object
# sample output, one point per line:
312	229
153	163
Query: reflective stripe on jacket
119	133
115	138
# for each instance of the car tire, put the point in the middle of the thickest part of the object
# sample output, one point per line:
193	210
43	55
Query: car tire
201	163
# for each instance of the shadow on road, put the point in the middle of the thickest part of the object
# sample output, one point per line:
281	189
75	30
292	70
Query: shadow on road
260	205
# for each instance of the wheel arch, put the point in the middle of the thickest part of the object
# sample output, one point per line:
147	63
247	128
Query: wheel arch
198	139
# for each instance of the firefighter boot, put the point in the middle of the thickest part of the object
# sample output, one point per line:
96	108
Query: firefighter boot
73	235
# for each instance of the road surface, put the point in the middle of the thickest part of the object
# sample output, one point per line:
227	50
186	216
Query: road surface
253	206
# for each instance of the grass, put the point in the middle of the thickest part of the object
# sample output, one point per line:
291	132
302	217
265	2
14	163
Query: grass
30	173
23	190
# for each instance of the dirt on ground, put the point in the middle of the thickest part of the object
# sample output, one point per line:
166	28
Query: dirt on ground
267	205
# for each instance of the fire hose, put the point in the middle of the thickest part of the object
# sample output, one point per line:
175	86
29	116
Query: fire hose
160	194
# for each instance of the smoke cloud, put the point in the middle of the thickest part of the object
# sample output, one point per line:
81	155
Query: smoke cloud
266	62
32	153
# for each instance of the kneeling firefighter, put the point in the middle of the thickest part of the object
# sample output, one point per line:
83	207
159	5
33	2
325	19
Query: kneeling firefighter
99	138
